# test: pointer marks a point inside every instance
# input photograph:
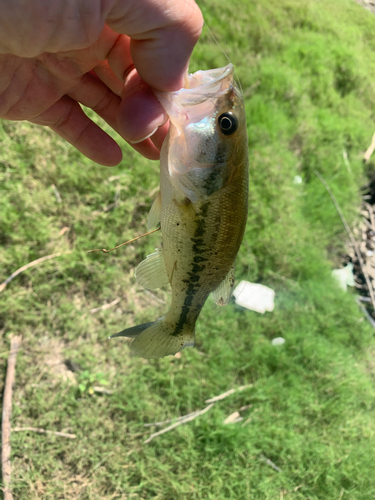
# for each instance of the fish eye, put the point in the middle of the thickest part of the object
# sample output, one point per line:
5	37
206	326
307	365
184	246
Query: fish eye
228	123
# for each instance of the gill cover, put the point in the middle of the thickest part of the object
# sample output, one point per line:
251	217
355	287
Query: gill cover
204	119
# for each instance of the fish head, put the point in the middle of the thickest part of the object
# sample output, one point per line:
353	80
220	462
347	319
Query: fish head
207	141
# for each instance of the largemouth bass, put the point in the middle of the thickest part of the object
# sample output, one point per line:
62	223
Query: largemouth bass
201	208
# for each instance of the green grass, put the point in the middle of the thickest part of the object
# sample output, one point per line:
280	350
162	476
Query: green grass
307	72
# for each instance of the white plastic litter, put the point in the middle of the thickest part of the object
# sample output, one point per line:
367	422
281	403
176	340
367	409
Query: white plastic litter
297	179
255	297
344	276
278	341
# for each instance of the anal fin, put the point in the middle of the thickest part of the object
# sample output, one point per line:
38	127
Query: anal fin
223	292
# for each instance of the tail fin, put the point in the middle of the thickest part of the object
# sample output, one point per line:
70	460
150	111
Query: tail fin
158	339
132	332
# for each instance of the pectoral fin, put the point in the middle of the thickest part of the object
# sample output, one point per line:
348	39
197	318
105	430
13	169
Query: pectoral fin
223	292
151	272
155	213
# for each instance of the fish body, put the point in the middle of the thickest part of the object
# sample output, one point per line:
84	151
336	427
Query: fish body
201	207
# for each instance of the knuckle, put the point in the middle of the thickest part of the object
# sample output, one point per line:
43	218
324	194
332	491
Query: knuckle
103	103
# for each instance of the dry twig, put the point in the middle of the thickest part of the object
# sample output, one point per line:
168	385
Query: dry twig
233	418
7	412
245	407
154	297
270	463
64	230
363	299
371	213
105	306
247	421
30	264
227	393
351	237
183	417
122	244
102	390
57	194
191	416
367	314
180	422
370	150
44	431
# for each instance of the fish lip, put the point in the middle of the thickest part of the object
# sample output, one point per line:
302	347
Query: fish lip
223	73
200	92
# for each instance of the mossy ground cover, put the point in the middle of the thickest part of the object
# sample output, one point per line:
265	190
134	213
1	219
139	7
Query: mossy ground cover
307	72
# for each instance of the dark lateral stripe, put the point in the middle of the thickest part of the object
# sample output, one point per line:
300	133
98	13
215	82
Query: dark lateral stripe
198	248
198	258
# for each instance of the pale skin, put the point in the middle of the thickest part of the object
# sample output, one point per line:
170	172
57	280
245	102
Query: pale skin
105	54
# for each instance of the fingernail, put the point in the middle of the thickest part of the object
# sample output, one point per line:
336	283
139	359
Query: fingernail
146	137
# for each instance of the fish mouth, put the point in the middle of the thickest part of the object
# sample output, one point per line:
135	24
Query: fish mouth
201	86
208	81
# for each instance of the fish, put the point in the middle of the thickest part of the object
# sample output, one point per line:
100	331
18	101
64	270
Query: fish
201	208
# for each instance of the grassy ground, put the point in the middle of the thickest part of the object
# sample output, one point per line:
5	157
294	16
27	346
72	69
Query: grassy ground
308	72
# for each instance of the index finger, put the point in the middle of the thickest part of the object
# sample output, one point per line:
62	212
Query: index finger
163	34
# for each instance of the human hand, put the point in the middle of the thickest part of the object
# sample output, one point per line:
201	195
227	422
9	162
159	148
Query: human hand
104	54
